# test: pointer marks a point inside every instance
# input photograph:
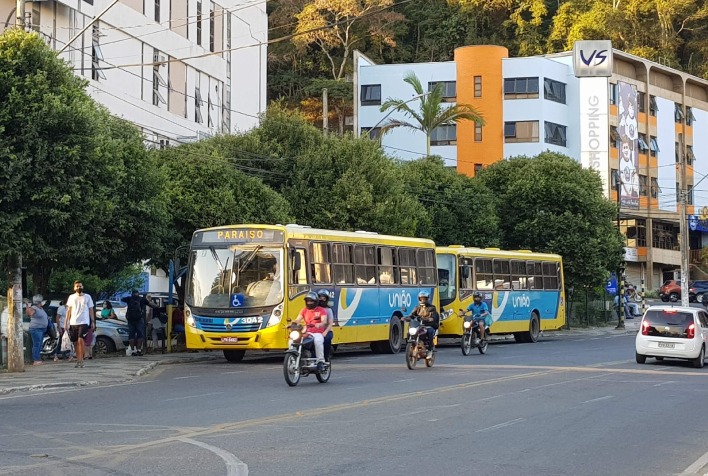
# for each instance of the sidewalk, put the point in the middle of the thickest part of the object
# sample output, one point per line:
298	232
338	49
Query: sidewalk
98	371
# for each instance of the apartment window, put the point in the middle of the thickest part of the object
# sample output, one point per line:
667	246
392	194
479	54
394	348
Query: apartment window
653	146
521	88
641	101
522	131
449	89
664	236
689	195
615	137
655	190
371	95
157	11
96	55
613	93
690	118
478	132
690	157
477	169
228	29
210	106
614	175
212	27
678	113
373	133
677	152
478	86
643	185
653	108
643	146
199	23
444	135
554	90
554	133
157	79
198	103
90	2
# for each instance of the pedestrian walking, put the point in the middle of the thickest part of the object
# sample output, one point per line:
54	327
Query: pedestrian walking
79	319
39	321
60	320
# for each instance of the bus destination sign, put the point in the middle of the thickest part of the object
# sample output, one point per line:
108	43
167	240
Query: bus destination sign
238	235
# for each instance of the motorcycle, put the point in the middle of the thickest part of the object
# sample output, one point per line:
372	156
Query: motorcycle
300	360
471	336
416	348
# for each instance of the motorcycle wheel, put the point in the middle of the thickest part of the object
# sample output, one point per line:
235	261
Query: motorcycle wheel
290	370
411	358
483	345
323	377
466	344
429	362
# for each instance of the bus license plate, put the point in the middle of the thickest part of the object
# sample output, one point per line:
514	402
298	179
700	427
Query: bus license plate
668	345
229	340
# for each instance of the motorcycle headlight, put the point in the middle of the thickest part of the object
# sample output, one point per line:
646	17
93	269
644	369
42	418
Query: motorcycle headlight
467	324
294	335
275	316
412	331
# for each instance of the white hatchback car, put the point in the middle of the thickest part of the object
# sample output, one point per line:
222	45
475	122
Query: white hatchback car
673	332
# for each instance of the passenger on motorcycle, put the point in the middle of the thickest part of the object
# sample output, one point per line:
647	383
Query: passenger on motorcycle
480	313
323	296
429	317
315	319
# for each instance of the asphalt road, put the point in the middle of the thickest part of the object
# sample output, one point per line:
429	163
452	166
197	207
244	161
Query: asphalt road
565	405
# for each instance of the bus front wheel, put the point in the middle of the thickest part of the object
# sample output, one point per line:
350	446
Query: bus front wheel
234	355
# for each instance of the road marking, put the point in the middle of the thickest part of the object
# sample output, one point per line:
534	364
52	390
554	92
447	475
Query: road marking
187	376
191	396
696	465
403	380
664	383
234	466
606	397
234	372
502	425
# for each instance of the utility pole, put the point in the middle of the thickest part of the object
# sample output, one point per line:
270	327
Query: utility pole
15	348
20	14
683	222
325	109
622	266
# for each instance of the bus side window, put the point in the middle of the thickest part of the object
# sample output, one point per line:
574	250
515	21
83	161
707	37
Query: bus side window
298	271
385	269
321	272
407	266
502	279
343	266
535	275
426	267
518	275
550	276
483	274
365	264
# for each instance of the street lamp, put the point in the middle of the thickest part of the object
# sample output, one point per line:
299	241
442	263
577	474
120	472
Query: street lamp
417	96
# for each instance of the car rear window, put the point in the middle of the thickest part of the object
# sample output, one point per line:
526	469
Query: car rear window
667	323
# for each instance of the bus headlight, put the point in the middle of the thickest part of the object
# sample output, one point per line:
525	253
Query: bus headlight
275	316
189	319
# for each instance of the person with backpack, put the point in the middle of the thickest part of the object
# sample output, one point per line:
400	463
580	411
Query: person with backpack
135	315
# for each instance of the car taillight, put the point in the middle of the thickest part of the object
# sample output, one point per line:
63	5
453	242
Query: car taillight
691	331
645	328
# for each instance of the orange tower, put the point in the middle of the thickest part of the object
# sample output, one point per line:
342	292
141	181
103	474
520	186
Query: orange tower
480	83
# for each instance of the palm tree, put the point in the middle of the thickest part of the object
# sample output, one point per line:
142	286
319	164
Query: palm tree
431	114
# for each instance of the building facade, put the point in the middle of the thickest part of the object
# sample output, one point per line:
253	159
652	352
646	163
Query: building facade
633	127
179	70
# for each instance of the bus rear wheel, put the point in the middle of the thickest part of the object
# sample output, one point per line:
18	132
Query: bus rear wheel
234	355
395	339
533	333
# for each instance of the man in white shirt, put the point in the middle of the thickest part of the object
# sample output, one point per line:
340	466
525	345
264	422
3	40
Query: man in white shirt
79	319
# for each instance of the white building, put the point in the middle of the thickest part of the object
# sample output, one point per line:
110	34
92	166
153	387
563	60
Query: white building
181	70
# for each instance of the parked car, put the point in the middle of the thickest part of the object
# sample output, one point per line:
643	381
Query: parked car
673	332
670	291
696	291
119	307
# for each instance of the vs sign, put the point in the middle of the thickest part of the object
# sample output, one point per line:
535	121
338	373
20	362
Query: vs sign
592	58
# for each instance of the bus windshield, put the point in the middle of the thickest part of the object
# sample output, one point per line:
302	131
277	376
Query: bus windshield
235	276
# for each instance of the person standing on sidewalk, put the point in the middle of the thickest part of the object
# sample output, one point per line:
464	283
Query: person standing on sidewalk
39	321
135	315
79	319
61	319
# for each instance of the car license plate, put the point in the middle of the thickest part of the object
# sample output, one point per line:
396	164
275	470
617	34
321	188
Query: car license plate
668	345
229	340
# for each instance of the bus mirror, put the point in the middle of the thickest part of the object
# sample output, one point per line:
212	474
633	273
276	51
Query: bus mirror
297	262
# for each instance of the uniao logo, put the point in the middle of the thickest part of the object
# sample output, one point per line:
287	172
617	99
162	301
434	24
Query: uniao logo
521	301
596	58
402	299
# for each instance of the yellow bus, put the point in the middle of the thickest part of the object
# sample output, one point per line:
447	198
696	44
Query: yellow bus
245	283
524	290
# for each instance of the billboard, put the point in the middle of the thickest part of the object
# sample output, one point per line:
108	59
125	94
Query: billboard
627	128
595	127
592	58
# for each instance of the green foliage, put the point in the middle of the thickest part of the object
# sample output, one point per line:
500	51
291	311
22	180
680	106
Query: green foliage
549	203
78	190
461	210
124	280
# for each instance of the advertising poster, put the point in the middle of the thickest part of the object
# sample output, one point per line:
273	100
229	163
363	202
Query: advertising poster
627	128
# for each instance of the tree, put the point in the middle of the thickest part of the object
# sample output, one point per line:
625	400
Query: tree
432	113
338	26
555	205
461	210
77	190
